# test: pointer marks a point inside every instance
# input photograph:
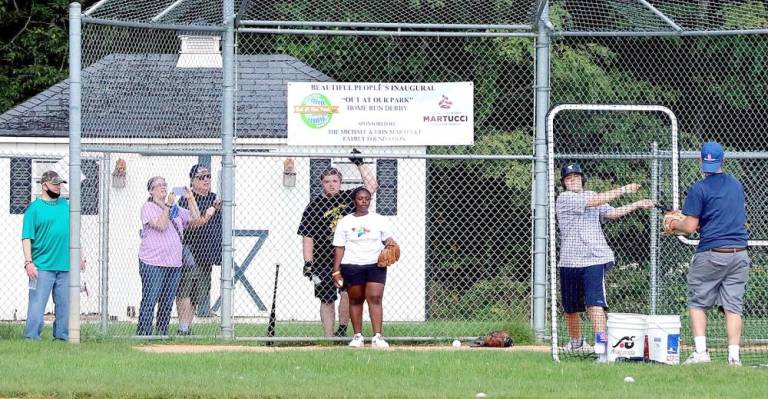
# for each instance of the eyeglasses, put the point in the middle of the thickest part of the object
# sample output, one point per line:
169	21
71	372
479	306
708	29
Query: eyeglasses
203	177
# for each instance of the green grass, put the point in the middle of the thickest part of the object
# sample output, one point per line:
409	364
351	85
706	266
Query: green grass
520	331
111	368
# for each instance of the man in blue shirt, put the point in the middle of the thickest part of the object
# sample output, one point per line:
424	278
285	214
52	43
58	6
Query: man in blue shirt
45	243
720	267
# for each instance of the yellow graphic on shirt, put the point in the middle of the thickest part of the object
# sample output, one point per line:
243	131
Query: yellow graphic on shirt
334	215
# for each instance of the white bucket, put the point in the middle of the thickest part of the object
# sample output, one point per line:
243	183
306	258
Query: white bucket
626	336
664	338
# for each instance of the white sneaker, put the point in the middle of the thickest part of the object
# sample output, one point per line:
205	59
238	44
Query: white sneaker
578	347
378	342
734	362
697	357
358	341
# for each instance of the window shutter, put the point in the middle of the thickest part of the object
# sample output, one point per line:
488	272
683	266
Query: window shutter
21	184
89	189
386	196
316	168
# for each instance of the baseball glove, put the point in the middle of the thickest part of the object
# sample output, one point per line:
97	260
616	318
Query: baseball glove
496	339
667	222
389	255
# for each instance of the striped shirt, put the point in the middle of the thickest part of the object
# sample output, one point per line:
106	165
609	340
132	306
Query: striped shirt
582	242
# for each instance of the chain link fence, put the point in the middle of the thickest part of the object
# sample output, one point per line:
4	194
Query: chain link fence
153	74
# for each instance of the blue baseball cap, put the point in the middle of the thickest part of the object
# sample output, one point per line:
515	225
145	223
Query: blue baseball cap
712	155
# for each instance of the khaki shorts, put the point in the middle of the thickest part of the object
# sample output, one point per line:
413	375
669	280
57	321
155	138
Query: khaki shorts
718	279
195	283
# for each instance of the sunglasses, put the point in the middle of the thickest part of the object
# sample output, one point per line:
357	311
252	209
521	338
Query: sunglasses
203	177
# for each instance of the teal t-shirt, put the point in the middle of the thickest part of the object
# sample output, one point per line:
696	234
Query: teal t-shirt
46	223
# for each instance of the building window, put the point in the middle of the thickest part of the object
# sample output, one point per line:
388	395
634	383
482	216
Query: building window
386	196
385	200
21	184
25	186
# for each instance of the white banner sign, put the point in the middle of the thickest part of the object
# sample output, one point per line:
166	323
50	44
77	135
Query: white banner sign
380	114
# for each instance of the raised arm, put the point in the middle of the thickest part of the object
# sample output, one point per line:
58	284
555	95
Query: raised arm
369	179
194	211
627	209
610	195
161	222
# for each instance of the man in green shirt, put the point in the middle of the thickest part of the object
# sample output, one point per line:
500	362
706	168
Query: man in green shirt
45	242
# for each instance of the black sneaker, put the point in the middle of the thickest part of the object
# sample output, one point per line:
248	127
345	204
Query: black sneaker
187	332
341	331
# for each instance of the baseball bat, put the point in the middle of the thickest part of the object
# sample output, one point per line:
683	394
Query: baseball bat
271	325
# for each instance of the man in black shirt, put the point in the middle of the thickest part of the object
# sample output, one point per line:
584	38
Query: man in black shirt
203	241
318	223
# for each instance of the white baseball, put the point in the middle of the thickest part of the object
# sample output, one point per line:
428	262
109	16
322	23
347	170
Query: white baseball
481	395
456	343
629	380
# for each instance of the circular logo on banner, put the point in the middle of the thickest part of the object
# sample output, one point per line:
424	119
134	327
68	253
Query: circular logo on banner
316	110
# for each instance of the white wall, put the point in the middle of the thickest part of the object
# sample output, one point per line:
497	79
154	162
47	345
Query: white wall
261	203
14	291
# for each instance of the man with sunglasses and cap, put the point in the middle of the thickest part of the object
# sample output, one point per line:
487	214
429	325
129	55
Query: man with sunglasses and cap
585	256
202	241
719	270
45	244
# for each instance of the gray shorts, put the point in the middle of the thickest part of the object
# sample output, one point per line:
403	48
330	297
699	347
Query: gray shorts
718	279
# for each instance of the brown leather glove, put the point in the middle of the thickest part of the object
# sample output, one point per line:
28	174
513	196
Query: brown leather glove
389	255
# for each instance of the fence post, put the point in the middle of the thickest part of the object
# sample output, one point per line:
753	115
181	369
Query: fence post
227	163
542	90
74	171
654	225
104	192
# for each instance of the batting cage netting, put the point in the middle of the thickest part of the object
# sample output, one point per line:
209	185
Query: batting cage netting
186	160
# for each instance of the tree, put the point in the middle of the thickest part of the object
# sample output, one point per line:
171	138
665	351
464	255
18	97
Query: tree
34	47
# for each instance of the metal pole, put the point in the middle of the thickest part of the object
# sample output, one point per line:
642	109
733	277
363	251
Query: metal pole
104	244
654	226
228	165
75	110
542	90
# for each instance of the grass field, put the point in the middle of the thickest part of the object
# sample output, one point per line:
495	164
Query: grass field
211	328
114	368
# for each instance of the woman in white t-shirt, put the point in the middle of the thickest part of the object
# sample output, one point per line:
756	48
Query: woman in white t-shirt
359	238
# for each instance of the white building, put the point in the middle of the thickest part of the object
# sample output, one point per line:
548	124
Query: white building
151	101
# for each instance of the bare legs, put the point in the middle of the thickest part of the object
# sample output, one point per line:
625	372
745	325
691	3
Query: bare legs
373	293
328	314
573	322
344	308
733	325
185	310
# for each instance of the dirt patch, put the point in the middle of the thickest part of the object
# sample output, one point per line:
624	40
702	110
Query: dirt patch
262	349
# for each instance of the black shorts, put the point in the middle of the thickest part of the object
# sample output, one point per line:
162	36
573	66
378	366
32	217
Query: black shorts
325	291
361	274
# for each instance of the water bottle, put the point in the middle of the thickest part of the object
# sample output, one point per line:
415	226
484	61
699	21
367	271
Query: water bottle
33	284
601	342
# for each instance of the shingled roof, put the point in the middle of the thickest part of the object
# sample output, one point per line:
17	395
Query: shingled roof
147	96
